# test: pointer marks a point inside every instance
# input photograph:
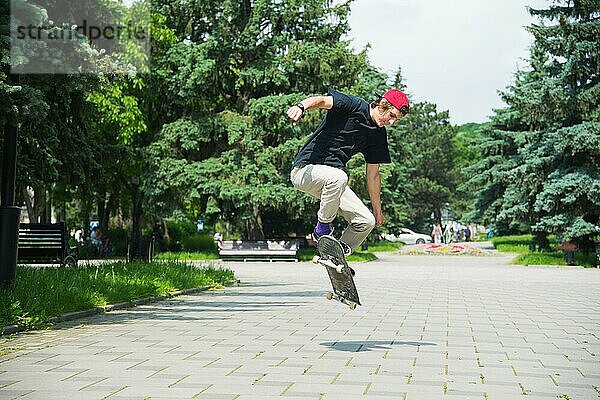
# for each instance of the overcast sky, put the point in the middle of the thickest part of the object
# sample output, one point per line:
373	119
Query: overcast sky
455	53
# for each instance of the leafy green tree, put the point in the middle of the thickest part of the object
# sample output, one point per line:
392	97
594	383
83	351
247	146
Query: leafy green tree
421	179
50	112
75	129
430	155
541	171
226	147
466	142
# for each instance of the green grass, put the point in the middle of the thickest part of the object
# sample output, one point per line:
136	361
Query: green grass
303	254
384	246
361	256
553	258
520	244
512	244
357	256
42	293
185	256
307	254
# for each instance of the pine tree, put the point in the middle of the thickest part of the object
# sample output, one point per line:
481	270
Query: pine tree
542	170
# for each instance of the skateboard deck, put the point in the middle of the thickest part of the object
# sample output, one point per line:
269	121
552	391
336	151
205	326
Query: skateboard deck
331	256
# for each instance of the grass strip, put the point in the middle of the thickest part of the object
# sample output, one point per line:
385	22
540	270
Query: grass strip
358	256
42	293
512	244
553	258
303	254
520	244
188	256
384	246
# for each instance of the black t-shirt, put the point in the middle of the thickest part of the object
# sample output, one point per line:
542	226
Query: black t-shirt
346	130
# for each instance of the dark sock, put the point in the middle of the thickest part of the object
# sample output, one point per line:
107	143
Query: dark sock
323	229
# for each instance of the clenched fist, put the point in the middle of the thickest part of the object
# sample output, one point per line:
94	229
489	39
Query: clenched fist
295	112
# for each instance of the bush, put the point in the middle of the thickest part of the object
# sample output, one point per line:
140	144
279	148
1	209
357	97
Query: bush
198	242
118	238
86	250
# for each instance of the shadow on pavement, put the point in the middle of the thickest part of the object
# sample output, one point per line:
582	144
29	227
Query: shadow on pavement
202	306
355	346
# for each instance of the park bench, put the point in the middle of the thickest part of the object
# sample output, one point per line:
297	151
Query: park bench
260	250
45	244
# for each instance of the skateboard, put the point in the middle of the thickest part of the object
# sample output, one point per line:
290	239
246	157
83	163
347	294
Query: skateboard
331	256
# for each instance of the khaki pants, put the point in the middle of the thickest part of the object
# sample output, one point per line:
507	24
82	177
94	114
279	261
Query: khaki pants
330	185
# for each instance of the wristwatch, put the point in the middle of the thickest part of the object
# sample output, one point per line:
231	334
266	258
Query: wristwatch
300	106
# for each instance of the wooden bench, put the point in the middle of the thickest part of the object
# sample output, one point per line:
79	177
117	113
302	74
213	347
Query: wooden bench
260	250
45	244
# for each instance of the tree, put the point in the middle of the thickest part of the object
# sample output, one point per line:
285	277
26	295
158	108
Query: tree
50	112
227	147
77	130
466	142
421	179
430	155
547	176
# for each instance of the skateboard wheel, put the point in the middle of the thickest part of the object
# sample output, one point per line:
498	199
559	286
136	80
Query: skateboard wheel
352	306
339	268
315	259
329	295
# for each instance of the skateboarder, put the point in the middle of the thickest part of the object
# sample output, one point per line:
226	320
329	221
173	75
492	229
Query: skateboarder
350	126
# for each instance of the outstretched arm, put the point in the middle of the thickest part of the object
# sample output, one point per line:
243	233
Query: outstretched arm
295	112
374	187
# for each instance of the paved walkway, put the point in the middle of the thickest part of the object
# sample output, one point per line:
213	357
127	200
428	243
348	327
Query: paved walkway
430	328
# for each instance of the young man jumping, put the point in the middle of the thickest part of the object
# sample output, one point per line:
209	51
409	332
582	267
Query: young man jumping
350	126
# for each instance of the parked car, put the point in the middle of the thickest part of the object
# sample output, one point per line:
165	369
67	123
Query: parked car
407	236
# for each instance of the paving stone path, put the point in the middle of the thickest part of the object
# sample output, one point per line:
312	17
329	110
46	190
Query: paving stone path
429	328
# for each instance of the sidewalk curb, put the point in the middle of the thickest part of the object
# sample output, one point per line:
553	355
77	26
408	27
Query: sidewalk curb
12	329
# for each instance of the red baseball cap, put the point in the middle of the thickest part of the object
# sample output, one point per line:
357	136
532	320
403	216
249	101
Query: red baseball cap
396	98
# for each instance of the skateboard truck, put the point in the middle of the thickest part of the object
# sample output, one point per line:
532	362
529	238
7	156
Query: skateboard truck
328	263
340	270
351	304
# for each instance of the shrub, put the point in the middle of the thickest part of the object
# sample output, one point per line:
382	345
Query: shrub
198	242
118	238
178	230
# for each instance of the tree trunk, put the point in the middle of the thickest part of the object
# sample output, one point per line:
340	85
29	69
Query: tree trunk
437	215
136	251
85	216
35	199
106	211
254	226
48	208
540	239
29	203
